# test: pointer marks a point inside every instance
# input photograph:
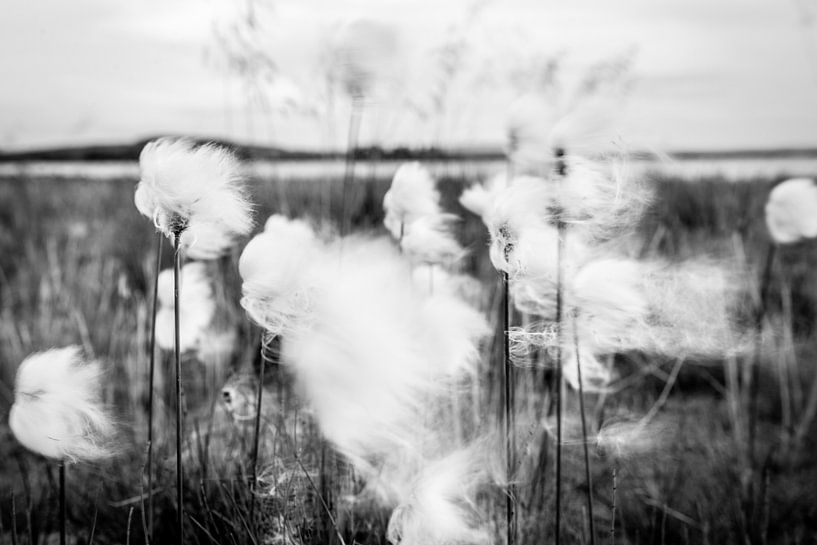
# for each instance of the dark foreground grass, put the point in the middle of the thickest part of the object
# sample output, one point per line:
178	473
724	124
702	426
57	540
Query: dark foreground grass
75	266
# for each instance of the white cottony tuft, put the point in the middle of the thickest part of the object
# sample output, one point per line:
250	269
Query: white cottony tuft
413	194
428	239
524	240
276	267
375	358
581	121
195	190
365	52
791	211
58	410
614	305
196	304
627	437
593	204
479	198
441	506
368	350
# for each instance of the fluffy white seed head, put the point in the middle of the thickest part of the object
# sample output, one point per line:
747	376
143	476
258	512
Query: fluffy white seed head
185	187
524	241
58	410
478	198
413	194
365	53
581	121
429	239
614	305
791	211
196	305
276	268
441	506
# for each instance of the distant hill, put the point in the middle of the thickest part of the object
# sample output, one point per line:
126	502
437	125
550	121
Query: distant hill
130	152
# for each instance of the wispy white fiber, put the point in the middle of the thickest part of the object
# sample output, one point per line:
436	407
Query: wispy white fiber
364	53
430	279
790	211
197	189
479	197
593	203
624	437
196	304
413	194
580	120
430	239
376	357
58	410
278	268
614	305
440	508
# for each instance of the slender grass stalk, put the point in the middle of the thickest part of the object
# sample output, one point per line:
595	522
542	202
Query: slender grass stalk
178	357
152	367
63	517
127	529
510	383
588	477
613	509
13	520
760	314
510	496
355	117
561	169
257	438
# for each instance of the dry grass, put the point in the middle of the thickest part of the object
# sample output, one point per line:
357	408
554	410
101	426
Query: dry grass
75	265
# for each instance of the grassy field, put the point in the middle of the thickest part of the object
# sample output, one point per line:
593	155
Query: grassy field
75	268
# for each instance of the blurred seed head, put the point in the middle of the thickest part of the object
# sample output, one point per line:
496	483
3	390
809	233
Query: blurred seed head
430	239
413	194
790	211
58	410
196	305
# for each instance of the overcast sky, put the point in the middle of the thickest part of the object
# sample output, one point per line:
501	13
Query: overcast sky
706	73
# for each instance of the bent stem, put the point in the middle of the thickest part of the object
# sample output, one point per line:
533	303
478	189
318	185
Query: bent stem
177	354
152	366
587	475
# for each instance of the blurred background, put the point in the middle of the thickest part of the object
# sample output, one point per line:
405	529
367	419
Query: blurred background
731	76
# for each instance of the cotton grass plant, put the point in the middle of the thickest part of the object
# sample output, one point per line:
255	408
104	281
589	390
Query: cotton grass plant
373	357
194	195
58	412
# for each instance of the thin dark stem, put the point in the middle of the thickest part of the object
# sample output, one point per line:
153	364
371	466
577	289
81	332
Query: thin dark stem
349	168
152	365
13	520
63	517
613	513
177	354
587	475
257	439
508	412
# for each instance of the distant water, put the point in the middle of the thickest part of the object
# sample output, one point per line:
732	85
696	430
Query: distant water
734	169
